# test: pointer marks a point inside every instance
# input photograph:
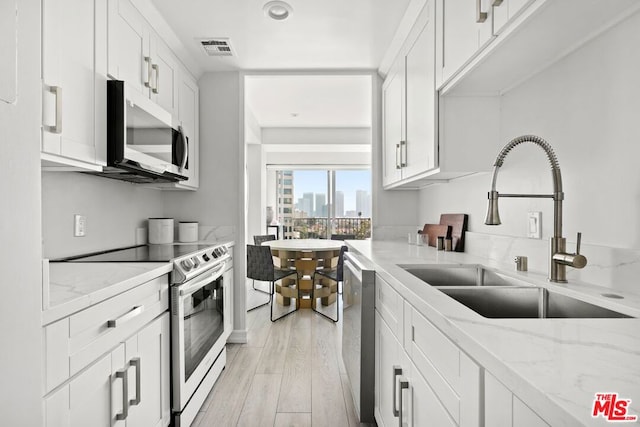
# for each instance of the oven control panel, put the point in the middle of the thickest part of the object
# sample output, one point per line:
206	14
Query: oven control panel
199	262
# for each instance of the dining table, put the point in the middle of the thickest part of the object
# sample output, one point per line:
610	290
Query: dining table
306	256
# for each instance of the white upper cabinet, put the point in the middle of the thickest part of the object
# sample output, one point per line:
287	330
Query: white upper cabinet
165	76
139	57
393	130
409	105
466	27
69	44
516	40
129	46
420	151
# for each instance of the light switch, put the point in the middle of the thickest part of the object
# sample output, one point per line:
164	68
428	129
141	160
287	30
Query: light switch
79	225
534	227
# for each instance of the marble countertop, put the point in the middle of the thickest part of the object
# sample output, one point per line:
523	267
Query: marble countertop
69	287
76	286
555	366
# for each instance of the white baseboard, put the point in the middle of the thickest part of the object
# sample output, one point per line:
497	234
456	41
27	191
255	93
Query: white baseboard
238	336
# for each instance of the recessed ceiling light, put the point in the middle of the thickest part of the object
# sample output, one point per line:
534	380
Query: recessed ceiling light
277	10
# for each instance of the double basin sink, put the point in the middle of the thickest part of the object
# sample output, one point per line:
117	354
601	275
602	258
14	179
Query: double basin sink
493	295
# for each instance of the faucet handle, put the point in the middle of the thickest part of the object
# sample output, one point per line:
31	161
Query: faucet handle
579	238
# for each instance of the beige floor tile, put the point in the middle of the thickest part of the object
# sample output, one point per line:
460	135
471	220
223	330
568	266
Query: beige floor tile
261	401
227	398
298	419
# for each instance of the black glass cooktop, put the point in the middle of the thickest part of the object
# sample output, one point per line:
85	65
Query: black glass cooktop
143	253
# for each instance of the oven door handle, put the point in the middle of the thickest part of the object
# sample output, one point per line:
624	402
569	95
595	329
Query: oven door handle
192	287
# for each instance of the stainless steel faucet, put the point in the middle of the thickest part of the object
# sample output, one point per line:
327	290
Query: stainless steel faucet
560	259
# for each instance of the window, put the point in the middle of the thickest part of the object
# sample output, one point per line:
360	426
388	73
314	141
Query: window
325	202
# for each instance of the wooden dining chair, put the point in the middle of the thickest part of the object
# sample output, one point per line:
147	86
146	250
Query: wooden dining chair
260	267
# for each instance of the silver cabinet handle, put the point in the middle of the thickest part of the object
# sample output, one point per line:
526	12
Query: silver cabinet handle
403	163
57	128
136	311
156	88
404	384
147	83
480	15
496	3
185	147
397	162
135	362
125	388
397	370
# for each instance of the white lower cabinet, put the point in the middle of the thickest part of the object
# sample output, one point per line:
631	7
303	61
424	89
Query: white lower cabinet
127	387
503	409
387	359
421	406
109	365
422	378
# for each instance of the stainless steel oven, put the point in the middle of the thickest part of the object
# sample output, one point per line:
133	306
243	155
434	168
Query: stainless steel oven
200	326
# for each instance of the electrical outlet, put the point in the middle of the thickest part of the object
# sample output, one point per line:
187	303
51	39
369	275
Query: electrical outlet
534	225
79	225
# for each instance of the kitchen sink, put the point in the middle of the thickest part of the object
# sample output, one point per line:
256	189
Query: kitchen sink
526	302
456	275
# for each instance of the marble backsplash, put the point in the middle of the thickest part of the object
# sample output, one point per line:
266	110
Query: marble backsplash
614	268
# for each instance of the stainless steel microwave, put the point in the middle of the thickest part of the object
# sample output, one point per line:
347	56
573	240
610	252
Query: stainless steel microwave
142	145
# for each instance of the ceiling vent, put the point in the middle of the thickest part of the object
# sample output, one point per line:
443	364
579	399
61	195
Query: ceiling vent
219	46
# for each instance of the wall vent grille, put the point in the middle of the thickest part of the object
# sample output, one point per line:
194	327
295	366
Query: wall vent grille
218	46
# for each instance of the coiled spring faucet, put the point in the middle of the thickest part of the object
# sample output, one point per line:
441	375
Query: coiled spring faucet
560	259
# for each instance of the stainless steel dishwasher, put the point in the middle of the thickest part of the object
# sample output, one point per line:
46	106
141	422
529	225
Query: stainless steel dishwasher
358	333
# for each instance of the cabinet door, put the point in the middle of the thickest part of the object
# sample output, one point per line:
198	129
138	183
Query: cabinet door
165	76
128	46
463	32
387	357
188	115
420	150
392	115
68	77
93	398
147	355
421	407
503	409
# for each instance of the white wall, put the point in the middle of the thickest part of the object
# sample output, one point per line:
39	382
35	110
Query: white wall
256	198
587	107
218	201
114	210
313	135
20	248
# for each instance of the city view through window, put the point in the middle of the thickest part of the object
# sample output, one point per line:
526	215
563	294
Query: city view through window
321	203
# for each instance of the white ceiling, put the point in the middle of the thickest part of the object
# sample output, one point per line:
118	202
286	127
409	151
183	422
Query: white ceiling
324	34
309	100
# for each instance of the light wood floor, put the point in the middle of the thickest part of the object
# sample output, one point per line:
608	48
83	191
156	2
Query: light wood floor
290	373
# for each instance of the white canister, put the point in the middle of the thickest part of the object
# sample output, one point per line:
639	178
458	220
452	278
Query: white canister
188	231
160	230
